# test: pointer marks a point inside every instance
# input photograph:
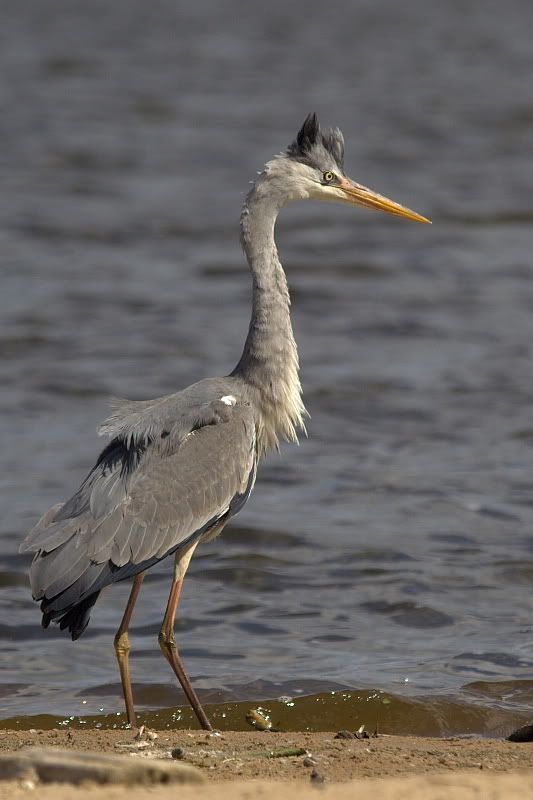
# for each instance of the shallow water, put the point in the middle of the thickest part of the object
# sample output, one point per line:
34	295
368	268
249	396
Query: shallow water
393	550
489	708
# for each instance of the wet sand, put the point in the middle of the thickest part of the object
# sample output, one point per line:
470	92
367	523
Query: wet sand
243	764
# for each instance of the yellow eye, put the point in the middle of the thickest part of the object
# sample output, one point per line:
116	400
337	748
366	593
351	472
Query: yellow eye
327	177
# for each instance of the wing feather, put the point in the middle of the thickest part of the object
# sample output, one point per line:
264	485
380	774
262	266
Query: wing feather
142	501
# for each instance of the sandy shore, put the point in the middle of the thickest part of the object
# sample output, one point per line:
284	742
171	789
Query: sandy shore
246	765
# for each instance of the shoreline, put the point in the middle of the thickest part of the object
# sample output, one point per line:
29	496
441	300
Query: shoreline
480	710
284	763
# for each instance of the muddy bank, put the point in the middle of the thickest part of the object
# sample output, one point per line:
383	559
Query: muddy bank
292	757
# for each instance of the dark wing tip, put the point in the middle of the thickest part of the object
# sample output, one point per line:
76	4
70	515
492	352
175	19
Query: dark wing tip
75	618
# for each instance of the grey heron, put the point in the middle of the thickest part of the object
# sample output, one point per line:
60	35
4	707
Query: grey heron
177	468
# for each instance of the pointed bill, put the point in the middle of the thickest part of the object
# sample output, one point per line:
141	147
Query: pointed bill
362	196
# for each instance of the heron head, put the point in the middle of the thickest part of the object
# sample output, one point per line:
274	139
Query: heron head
314	168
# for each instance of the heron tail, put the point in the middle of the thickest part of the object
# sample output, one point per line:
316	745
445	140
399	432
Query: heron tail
76	618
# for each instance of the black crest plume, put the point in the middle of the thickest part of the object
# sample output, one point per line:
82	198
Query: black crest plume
311	142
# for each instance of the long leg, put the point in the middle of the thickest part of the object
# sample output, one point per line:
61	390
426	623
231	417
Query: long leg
122	649
167	640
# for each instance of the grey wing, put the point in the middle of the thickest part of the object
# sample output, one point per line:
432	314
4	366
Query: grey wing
137	421
144	499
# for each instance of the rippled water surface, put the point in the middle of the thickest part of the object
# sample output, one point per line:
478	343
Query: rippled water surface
393	550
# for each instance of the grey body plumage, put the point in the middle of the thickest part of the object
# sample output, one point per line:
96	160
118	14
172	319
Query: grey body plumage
153	489
177	468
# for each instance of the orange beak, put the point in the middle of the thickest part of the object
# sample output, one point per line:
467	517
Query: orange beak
359	195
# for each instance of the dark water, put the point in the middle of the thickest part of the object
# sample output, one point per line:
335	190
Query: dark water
392	551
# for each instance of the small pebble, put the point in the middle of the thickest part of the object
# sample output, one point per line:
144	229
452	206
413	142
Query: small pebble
27	784
523	734
345	735
317	778
309	761
258	719
178	752
152	736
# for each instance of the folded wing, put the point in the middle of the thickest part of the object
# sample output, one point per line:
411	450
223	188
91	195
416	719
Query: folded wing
152	491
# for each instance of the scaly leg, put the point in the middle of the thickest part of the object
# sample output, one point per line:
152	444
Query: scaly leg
167	640
122	649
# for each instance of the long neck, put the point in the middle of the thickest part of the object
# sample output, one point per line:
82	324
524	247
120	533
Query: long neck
269	363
